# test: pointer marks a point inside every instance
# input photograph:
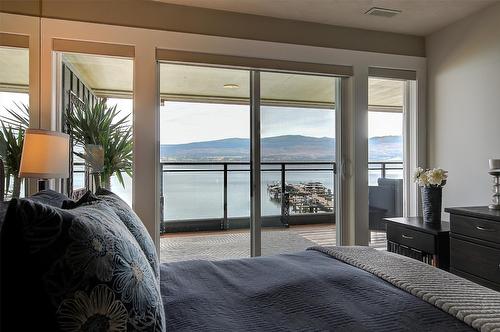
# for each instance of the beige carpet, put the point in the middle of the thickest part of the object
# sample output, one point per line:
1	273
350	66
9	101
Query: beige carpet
236	244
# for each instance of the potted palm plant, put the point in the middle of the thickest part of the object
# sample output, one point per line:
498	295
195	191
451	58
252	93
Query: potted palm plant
100	125
13	126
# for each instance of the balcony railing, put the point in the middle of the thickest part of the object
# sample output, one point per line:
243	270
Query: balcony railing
386	166
225	168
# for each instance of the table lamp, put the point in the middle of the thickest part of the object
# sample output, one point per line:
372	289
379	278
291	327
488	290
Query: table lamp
495	172
45	156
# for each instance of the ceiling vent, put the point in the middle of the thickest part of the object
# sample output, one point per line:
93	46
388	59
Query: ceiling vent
382	12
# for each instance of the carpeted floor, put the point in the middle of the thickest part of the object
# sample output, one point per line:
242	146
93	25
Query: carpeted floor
236	244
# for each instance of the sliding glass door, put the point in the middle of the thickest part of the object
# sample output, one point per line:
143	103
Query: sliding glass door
297	161
209	135
204	155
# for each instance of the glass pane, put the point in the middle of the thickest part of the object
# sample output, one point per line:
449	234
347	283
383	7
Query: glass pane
204	151
270	194
385	155
310	192
14	102
238	194
298	144
124	190
102	86
183	191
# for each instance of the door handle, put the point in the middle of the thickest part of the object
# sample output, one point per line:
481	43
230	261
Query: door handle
485	229
406	237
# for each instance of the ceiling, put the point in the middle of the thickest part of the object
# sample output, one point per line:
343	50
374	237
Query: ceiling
102	72
14	68
196	82
418	17
113	77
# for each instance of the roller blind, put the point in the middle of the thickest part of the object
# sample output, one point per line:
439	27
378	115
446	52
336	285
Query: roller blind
78	46
256	63
400	74
14	40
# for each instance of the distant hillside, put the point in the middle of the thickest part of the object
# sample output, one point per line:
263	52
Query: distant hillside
385	148
279	148
228	149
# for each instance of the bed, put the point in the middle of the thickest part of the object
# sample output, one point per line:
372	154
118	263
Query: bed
90	265
322	289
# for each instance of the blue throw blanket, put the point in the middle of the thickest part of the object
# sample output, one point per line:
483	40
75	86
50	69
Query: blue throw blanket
307	291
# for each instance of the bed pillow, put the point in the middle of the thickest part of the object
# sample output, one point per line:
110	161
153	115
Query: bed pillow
86	198
50	197
3	211
77	269
134	225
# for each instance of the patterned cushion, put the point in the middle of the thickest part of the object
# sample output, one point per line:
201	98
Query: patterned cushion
72	270
50	197
3	211
134	225
86	198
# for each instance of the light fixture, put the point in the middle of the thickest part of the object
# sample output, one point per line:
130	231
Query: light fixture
382	12
45	156
231	86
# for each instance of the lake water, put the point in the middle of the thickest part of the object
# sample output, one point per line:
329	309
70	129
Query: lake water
201	194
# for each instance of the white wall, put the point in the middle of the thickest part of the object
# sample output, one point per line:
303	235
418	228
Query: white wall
464	105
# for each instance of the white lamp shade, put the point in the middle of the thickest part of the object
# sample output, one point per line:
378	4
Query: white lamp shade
45	155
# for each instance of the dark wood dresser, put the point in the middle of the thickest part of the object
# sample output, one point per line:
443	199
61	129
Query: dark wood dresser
413	238
475	244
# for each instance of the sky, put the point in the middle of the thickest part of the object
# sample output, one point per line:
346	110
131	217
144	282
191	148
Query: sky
7	100
182	122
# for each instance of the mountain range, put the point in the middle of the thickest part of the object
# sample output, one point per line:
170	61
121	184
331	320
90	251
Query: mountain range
277	148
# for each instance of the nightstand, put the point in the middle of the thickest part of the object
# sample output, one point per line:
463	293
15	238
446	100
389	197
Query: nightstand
475	244
422	241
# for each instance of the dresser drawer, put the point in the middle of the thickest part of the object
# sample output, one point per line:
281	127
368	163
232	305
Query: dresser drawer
475	259
411	238
482	229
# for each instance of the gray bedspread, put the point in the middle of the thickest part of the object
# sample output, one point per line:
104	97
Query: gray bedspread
473	304
306	291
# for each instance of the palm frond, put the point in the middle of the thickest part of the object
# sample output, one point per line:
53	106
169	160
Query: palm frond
18	117
102	125
12	130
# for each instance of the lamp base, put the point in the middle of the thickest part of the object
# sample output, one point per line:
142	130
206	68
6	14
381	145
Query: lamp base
43	184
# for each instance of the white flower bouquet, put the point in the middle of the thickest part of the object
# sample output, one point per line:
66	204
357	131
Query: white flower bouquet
435	177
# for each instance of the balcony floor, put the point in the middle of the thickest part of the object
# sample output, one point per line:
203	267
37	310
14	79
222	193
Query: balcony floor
236	243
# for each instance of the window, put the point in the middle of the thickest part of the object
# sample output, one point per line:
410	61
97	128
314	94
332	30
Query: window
14	114
100	86
388	137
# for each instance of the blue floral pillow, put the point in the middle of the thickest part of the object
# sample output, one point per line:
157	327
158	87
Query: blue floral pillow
134	225
74	270
50	197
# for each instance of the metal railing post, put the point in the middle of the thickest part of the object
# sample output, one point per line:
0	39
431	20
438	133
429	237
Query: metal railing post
255	166
225	222
162	202
284	197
